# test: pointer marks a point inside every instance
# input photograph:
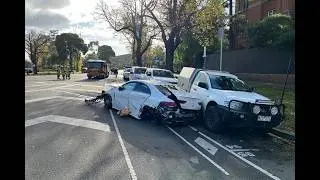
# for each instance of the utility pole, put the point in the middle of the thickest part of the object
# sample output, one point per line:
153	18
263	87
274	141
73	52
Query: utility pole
204	57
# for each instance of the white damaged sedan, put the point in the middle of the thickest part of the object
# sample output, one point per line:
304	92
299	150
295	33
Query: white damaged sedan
153	100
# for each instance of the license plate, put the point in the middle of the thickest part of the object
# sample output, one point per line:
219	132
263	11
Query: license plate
264	118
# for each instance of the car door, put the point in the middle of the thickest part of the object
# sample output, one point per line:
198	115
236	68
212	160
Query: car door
201	92
122	95
141	93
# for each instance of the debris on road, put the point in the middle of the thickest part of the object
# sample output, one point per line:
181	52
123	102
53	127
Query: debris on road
95	100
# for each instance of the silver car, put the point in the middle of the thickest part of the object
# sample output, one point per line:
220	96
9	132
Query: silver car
138	73
126	73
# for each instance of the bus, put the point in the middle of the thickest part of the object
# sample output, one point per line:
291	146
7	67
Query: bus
97	69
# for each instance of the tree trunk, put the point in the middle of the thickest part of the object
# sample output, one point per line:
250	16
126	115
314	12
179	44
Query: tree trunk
138	59
138	54
169	58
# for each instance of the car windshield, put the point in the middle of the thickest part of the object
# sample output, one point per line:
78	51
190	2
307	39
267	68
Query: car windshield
94	65
140	70
228	83
162	73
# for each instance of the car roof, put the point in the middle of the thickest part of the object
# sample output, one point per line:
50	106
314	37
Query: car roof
96	60
153	82
139	67
158	69
220	73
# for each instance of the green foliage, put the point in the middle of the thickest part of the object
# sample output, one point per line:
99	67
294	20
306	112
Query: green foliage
69	43
273	31
91	56
204	26
105	52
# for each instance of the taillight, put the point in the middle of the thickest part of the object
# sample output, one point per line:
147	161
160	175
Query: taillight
182	102
168	104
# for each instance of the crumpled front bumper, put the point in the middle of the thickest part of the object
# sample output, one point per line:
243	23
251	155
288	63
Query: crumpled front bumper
180	116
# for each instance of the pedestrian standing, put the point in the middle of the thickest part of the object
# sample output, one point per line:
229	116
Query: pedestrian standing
58	72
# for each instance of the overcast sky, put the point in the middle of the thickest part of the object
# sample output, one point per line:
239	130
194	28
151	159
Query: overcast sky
75	16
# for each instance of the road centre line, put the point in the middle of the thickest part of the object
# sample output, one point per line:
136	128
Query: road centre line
84	90
125	152
53	88
52	97
238	156
203	155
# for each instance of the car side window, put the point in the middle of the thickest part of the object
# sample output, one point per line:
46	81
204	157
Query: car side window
129	86
200	78
140	87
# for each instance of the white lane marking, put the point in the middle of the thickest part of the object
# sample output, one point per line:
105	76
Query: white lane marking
39	99
52	88
238	156
69	121
237	150
37	120
207	146
125	152
52	97
84	90
203	155
76	94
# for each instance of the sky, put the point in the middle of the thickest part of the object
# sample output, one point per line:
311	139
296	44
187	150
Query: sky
75	16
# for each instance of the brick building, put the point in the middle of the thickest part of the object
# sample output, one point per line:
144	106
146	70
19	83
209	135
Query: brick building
256	10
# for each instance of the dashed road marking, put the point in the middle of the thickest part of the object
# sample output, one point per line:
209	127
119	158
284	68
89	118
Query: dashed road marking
203	155
207	146
124	149
69	121
238	156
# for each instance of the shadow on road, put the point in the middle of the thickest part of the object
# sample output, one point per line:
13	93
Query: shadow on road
89	80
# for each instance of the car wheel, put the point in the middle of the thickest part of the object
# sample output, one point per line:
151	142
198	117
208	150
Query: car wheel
89	77
212	119
107	101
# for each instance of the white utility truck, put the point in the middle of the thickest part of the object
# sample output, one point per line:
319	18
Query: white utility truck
228	101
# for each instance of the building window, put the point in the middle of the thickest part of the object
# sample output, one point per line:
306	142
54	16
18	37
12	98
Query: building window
271	12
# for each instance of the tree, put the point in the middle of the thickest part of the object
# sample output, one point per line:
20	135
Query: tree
105	52
156	52
91	56
69	44
273	31
173	17
34	44
130	18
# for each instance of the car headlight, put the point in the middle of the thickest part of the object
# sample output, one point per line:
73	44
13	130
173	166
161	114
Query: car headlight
236	105
274	110
256	109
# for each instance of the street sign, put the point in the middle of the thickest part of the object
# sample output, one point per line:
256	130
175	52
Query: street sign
220	32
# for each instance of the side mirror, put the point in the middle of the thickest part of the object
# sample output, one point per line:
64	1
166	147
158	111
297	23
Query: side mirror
121	88
148	73
203	85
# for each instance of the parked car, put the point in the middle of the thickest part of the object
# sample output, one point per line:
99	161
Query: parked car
126	73
228	101
137	73
163	75
153	100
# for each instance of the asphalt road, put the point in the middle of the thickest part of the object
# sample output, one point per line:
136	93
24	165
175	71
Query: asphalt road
67	139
